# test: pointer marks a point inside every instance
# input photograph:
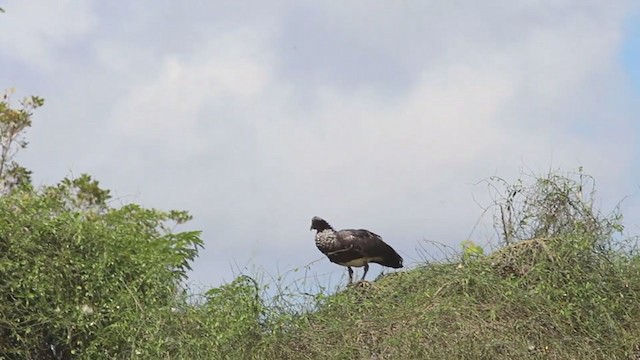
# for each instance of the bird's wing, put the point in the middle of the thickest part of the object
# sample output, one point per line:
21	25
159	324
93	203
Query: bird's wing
361	241
370	245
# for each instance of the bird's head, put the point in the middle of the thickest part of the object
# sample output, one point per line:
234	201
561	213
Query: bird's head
319	224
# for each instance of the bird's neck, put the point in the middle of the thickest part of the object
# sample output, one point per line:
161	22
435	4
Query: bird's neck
326	240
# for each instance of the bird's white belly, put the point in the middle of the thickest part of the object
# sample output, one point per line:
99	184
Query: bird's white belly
360	262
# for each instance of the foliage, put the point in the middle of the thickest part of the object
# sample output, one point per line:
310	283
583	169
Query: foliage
76	283
80	278
13	124
471	250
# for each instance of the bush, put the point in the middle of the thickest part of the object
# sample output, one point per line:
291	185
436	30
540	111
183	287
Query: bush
79	282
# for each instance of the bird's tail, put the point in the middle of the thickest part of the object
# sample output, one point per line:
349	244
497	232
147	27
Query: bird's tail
392	260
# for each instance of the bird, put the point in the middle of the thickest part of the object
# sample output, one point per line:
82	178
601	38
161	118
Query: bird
353	248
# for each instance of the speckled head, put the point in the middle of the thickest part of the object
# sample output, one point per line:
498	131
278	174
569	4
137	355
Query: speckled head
319	224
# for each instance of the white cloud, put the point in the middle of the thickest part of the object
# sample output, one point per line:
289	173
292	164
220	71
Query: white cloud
34	31
169	108
371	115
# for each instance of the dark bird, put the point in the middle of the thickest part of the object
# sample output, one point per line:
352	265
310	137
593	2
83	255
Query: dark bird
353	247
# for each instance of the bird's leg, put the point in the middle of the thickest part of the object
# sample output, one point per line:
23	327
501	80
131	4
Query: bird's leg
350	274
366	268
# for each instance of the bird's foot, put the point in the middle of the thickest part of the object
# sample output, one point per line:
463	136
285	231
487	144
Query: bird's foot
362	284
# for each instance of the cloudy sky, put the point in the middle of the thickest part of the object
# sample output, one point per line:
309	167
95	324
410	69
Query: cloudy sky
374	114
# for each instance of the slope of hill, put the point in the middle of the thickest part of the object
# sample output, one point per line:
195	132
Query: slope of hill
542	298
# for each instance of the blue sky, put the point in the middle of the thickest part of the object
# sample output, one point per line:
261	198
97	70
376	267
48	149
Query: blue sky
373	114
630	50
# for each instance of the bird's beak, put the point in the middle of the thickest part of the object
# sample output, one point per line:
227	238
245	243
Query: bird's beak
311	228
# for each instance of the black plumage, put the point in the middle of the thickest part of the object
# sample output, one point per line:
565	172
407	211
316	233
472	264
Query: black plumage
353	248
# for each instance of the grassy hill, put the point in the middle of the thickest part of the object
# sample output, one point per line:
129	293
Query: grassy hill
540	299
565	285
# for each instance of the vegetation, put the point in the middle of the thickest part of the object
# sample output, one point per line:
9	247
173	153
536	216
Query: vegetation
79	278
82	278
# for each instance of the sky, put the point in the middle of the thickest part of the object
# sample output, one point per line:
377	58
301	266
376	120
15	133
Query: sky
386	115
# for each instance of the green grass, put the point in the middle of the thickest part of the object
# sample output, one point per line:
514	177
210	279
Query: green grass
565	304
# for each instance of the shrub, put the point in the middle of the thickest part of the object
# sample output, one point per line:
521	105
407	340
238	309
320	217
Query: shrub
79	282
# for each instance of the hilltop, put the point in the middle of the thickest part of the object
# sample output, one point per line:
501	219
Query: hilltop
544	298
